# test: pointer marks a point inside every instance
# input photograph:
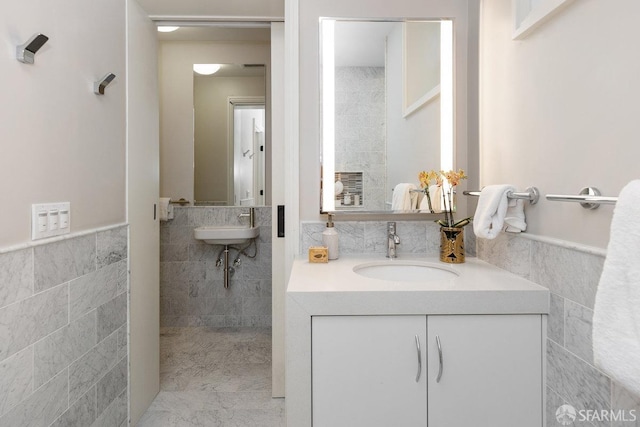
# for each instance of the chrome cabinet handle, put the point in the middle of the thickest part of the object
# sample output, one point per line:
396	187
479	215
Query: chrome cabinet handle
440	368
419	359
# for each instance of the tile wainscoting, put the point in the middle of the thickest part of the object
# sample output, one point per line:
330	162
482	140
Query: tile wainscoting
64	332
572	275
192	289
370	237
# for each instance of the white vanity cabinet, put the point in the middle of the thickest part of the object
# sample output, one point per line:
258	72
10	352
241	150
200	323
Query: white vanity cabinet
364	371
491	371
435	371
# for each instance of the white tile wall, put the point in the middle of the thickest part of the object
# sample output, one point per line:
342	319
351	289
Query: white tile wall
572	276
192	289
63	344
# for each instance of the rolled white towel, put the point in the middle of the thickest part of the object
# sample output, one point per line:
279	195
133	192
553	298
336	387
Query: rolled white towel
514	221
491	211
403	199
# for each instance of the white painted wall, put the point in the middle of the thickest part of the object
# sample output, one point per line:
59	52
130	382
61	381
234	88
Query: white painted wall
199	8
423	58
176	104
60	141
413	142
309	13
559	110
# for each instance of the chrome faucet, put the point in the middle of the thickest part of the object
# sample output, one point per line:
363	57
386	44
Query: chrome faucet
392	240
252	217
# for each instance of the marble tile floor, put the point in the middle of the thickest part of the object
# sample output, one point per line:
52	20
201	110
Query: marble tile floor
215	377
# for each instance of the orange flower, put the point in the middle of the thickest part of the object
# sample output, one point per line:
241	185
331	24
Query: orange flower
426	178
454	178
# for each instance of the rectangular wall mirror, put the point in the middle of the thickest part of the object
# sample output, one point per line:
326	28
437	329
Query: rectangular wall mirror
387	109
229	135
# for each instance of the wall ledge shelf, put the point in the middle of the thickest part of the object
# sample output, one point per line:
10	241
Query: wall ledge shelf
528	15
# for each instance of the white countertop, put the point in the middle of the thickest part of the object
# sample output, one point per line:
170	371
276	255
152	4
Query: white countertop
478	288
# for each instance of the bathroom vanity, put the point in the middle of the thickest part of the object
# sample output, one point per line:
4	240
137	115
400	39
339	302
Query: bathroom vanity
429	345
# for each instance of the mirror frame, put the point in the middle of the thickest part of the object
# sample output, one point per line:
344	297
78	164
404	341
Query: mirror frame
448	103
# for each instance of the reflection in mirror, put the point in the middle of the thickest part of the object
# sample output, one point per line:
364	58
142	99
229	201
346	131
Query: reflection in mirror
387	111
229	135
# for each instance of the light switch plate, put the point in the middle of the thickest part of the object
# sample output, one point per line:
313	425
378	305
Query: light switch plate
41	218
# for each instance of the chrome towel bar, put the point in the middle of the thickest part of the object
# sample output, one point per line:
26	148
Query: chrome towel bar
532	194
589	198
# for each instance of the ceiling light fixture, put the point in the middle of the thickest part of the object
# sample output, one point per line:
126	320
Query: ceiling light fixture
206	69
166	28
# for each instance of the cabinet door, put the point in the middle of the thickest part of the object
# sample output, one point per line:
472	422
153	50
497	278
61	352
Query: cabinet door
364	371
491	371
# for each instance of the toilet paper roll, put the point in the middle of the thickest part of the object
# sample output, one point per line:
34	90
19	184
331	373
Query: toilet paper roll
164	208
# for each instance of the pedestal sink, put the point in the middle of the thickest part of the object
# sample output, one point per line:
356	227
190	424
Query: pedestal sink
225	235
404	271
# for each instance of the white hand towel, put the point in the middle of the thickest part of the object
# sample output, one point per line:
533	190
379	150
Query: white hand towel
436	200
491	210
414	197
424	204
164	208
403	199
514	221
616	317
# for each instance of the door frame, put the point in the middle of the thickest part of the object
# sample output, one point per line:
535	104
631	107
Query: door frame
232	102
289	145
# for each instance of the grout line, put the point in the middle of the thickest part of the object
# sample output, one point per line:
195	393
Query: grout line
33	271
50	333
95	247
33	368
68	389
582	360
564	322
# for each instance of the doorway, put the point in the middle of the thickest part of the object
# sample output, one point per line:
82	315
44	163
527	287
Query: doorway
197	314
247	139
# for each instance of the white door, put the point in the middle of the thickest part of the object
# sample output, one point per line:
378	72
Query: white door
367	371
491	371
278	196
142	199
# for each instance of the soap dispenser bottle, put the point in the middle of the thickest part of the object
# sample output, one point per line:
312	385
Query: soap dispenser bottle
330	238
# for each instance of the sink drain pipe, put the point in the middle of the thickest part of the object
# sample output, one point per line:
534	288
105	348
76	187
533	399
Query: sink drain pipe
226	267
224	261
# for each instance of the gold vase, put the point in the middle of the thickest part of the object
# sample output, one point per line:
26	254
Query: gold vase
452	245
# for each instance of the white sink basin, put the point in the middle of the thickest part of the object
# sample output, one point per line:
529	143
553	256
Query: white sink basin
222	235
404	271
